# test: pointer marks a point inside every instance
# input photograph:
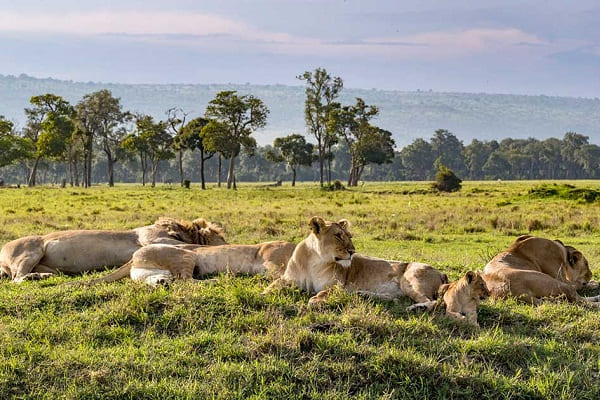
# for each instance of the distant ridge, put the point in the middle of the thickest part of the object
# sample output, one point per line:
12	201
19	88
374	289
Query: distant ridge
408	115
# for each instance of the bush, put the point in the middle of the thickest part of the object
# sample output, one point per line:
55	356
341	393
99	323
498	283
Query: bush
446	180
186	183
336	185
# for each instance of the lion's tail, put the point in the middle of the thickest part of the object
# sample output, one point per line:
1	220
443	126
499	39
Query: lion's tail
120	273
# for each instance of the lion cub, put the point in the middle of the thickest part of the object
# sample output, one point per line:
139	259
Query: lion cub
463	296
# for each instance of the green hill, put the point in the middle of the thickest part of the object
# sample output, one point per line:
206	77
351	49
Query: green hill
407	114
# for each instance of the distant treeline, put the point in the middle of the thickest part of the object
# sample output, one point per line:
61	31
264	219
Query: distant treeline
97	141
571	157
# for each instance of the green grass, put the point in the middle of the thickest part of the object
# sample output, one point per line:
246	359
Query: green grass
224	340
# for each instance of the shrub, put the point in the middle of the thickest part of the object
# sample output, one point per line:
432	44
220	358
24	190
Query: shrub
446	180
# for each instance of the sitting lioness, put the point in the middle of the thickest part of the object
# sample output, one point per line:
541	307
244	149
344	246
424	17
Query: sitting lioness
38	257
161	263
463	296
533	268
320	262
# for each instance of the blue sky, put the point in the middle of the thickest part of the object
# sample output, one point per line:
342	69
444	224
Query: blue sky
526	47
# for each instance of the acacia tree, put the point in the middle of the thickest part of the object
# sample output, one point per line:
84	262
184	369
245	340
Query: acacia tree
12	147
190	137
233	119
152	141
294	151
49	129
352	124
100	115
175	122
321	91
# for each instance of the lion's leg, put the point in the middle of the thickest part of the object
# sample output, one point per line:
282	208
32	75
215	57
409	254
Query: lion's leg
320	297
424	306
592	299
152	276
44	269
23	257
277	284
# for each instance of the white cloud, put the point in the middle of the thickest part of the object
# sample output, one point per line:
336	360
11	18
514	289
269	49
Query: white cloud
132	23
216	31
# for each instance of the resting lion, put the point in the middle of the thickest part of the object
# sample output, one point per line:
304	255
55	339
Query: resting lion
321	260
37	257
533	268
463	296
162	263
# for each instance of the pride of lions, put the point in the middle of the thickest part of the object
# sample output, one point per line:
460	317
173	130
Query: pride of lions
531	268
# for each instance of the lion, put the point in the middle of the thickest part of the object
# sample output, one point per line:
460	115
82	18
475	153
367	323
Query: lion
327	258
463	296
75	251
157	264
533	268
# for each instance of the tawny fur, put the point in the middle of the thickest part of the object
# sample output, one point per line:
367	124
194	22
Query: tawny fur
75	251
533	268
159	263
462	297
320	262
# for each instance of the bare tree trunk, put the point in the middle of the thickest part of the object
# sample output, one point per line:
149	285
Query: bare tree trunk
31	179
154	171
144	163
219	171
321	162
202	180
111	170
230	172
181	167
293	176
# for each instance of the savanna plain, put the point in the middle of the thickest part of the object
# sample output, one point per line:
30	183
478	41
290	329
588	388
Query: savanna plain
222	339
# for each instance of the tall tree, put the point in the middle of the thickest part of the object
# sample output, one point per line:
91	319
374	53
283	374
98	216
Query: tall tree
352	124
100	116
418	159
446	146
175	122
12	147
190	137
233	120
321	91
294	151
152	141
49	128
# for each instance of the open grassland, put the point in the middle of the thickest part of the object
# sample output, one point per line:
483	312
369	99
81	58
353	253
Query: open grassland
225	340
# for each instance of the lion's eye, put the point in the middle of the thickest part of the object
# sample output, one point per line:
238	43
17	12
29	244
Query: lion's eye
338	236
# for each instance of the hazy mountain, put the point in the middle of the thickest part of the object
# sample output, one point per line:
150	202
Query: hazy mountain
407	114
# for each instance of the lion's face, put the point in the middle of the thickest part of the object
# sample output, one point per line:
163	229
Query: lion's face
478	287
578	270
335	240
208	233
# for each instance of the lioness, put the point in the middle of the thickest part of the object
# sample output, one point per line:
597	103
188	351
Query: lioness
533	268
161	263
320	262
37	257
463	296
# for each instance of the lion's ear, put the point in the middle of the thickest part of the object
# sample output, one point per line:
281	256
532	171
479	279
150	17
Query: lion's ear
344	223
200	222
470	276
574	256
317	224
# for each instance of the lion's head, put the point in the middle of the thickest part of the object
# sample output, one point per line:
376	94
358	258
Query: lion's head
198	231
471	286
578	270
334	238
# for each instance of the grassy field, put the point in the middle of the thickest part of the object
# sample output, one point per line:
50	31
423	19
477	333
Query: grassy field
224	340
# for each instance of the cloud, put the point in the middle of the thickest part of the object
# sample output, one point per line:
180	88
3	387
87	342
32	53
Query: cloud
231	35
132	23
